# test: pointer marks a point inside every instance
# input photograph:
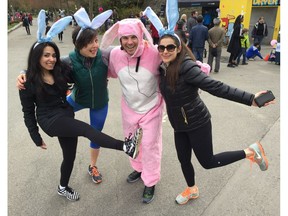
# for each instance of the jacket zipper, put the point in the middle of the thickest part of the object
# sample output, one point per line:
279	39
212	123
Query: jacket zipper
92	91
184	115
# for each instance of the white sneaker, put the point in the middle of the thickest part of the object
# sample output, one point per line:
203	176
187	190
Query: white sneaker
131	145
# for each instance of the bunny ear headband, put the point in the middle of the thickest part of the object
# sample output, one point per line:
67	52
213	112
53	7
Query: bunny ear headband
172	18
55	29
84	22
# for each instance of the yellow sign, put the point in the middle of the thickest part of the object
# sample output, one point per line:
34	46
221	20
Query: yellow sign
266	2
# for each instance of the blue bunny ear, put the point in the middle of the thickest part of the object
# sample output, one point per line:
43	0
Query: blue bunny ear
82	18
172	13
100	19
154	19
58	27
84	22
41	25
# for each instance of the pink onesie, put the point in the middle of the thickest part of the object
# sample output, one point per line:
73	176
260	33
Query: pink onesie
142	103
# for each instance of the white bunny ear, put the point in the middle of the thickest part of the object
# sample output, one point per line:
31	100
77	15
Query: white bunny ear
82	18
154	19
41	25
100	19
58	27
172	13
109	36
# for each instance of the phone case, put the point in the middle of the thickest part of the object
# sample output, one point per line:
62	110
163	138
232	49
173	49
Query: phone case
264	98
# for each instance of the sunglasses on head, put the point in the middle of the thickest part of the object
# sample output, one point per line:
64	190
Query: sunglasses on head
169	48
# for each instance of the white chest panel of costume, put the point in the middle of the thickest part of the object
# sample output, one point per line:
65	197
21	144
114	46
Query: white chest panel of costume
140	89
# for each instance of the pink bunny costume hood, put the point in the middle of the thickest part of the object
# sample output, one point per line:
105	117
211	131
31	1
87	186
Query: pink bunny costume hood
127	27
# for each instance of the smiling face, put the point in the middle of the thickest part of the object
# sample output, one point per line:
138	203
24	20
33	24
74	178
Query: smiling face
91	49
129	43
48	58
166	50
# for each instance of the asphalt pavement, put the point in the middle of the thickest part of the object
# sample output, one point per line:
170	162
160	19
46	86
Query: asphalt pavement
236	189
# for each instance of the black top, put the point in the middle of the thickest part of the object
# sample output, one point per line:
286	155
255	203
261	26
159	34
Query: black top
185	108
43	108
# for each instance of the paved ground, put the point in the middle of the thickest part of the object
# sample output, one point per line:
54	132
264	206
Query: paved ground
237	189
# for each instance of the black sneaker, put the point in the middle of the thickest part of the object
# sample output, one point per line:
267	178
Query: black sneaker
134	176
148	194
131	145
95	174
69	193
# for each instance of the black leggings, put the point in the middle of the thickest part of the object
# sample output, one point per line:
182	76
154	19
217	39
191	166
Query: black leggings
200	140
67	130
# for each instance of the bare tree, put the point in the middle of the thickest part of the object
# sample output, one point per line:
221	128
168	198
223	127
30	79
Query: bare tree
91	9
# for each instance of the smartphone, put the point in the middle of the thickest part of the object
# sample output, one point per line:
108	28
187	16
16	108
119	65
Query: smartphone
264	98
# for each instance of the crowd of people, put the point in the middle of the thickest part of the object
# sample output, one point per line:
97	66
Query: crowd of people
160	70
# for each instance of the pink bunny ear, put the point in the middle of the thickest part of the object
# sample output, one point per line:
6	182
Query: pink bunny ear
110	35
204	67
146	33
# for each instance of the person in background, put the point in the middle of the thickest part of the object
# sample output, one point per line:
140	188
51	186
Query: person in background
143	18
191	22
154	34
245	44
260	30
181	27
135	63
30	18
215	40
207	19
44	103
60	35
25	23
234	45
253	51
197	37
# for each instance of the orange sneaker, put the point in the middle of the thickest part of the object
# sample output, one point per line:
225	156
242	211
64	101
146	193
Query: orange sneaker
259	156
96	175
186	195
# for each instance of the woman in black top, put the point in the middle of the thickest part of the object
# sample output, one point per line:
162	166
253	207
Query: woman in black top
181	79
44	103
234	46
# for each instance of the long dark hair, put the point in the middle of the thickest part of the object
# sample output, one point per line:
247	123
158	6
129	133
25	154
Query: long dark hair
34	69
174	66
238	21
86	36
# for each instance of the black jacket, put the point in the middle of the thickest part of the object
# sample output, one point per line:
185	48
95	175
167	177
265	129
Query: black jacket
185	109
43	109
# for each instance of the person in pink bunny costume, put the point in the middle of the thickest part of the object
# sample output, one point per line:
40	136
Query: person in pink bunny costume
135	63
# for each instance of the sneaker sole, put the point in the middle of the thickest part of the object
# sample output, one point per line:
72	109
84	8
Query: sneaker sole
60	194
263	154
193	197
132	181
147	202
136	152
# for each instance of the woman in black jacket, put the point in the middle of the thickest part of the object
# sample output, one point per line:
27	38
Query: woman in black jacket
44	103
181	78
234	46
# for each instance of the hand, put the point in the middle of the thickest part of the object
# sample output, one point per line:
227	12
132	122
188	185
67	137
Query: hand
43	146
257	95
21	79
